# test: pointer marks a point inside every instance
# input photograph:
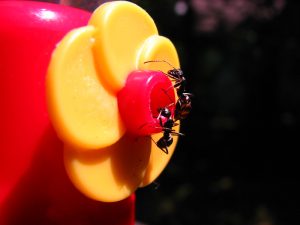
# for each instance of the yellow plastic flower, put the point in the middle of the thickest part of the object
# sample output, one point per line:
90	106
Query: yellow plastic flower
87	70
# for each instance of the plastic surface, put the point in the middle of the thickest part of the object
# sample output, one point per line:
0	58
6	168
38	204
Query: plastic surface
88	69
84	112
141	99
122	28
34	186
110	174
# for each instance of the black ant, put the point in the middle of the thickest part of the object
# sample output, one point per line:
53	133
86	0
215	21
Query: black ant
166	140
175	74
184	103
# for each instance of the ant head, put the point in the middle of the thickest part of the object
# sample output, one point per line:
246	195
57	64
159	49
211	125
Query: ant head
165	112
176	73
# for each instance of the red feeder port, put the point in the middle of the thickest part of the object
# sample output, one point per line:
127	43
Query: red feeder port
140	101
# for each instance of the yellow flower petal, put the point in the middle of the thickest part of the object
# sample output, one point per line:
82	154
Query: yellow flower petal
158	159
109	174
121	29
83	111
158	48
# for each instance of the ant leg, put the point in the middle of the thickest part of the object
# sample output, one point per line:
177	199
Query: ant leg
171	131
166	93
177	84
176	133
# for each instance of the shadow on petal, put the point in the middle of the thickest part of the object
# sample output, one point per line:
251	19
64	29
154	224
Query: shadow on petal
112	173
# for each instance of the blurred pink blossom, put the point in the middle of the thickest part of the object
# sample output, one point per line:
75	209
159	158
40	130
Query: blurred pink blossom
230	13
89	5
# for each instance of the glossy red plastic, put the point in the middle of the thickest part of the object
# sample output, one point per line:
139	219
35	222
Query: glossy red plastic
144	94
34	187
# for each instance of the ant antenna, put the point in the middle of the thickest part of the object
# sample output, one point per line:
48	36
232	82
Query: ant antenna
164	61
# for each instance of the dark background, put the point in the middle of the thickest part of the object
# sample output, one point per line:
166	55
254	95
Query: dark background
238	162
